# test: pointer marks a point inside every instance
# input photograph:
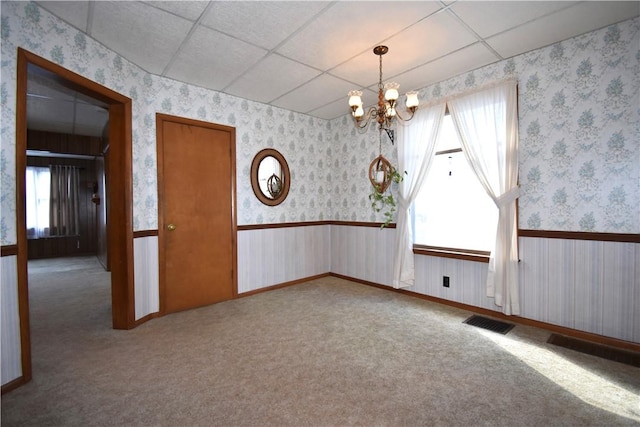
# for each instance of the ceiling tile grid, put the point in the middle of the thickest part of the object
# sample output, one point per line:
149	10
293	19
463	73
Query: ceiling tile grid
306	55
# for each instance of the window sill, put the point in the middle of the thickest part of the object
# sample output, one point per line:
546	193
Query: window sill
476	256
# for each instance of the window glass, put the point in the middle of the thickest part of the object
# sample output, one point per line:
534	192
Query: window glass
38	182
452	209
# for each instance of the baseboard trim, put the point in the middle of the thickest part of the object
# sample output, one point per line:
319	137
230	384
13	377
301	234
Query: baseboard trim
587	336
145	319
12	385
282	285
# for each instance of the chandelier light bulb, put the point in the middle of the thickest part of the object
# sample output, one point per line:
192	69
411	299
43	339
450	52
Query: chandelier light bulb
359	112
391	91
355	99
412	99
390	110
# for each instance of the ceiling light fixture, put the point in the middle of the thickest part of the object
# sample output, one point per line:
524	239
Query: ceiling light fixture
385	112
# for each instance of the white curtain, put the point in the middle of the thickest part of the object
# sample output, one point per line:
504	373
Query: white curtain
487	124
416	145
37	180
64	202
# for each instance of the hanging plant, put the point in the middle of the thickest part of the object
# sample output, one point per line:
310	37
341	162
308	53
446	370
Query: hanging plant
381	175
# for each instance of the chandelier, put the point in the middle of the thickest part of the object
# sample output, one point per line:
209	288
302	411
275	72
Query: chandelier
385	112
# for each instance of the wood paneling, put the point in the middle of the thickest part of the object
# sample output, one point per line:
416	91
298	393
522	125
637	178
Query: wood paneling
63	143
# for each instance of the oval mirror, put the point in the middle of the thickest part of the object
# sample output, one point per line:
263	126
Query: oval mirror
270	177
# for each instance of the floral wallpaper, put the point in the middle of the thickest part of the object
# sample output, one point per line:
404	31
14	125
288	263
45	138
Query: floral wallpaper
579	130
303	140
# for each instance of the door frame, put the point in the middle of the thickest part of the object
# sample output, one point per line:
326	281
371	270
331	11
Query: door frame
160	119
120	212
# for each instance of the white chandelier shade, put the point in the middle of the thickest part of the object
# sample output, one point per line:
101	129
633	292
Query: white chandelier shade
385	111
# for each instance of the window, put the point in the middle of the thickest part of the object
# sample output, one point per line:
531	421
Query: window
38	183
453	210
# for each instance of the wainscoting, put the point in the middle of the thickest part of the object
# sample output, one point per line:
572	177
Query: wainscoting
10	350
271	256
146	275
591	286
588	285
364	253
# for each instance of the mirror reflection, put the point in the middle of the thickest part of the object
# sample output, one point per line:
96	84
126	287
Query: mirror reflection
270	177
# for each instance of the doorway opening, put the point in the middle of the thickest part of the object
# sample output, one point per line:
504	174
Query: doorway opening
117	187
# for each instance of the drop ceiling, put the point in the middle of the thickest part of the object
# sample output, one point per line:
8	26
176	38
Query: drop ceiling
305	56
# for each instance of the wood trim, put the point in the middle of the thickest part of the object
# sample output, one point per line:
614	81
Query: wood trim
581	235
145	233
283	285
120	216
120	226
281	225
9	250
120	192
444	253
148	317
362	224
572	235
587	336
311	224
12	385
23	60
255	185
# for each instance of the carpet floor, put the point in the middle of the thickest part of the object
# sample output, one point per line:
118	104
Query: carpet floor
327	352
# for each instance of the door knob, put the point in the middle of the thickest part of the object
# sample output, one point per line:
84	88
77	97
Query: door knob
171	227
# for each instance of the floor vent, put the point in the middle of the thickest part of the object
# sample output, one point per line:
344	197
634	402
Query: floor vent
618	355
490	324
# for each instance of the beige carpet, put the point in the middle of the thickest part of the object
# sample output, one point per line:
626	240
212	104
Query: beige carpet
323	353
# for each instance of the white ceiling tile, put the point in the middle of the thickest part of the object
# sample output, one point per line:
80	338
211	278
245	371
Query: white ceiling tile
318	92
143	34
263	23
72	12
571	22
350	28
487	18
429	39
332	110
464	60
199	60
190	10
271	78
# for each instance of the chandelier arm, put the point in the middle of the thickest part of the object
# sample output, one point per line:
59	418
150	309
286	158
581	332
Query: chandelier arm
406	119
366	119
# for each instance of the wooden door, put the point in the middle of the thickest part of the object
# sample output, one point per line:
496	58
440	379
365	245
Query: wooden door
197	229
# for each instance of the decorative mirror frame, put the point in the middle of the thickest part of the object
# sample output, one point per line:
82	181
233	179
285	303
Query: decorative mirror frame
255	185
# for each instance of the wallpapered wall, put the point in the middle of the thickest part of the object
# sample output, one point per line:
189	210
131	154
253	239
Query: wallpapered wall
579	126
579	131
303	140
